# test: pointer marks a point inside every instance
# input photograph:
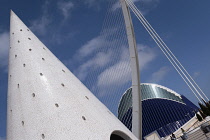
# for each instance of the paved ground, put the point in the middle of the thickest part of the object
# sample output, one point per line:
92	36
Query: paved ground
198	135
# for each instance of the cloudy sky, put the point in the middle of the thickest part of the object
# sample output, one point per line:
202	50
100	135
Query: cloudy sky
88	36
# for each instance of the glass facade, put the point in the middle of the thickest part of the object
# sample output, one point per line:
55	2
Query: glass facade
148	91
163	110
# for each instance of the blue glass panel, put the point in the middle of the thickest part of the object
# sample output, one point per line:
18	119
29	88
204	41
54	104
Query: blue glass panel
161	115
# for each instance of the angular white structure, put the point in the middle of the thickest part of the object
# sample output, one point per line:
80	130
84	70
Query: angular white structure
46	101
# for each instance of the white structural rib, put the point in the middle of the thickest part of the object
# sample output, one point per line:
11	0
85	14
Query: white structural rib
136	95
46	101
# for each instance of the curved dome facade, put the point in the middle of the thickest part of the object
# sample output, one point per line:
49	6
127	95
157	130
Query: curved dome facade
163	109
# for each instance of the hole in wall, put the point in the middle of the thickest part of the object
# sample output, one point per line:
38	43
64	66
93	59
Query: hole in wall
21	30
63	70
10	75
116	137
15	56
41	74
43	136
30	49
119	135
83	117
24	65
18	41
18	85
22	123
56	105
44	48
62	84
13	33
27	29
43	59
33	94
11	110
29	38
86	97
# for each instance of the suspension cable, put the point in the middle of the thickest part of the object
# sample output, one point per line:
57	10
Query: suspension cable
162	46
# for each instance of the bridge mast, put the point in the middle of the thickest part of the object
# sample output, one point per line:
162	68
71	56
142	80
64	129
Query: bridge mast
136	92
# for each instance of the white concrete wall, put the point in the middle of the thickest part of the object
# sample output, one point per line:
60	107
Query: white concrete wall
45	100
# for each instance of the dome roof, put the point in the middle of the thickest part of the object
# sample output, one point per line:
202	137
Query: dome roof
162	109
148	91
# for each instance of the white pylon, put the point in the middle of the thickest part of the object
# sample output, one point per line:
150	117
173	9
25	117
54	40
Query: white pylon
136	91
46	101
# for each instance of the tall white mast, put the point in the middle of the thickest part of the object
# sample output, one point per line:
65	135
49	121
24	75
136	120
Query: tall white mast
136	92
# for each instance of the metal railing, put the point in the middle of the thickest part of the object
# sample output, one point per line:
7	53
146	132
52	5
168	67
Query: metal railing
201	131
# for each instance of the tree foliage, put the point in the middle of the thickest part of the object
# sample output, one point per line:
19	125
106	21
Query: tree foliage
205	109
199	117
202	114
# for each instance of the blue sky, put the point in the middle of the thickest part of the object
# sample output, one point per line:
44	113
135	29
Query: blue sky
82	35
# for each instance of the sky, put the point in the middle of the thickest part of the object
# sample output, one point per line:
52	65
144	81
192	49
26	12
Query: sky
88	36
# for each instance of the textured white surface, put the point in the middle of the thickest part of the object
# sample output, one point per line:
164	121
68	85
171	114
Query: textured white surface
45	100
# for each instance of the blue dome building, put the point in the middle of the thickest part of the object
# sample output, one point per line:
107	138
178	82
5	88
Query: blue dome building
163	110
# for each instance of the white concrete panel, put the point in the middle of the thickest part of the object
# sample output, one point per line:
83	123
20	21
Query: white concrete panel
46	101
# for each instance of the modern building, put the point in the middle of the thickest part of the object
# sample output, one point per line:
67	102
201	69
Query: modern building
47	101
163	110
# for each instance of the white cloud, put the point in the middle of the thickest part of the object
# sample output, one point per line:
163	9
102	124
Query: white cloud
146	5
100	60
196	74
113	78
117	5
65	8
45	24
40	24
4	48
116	75
91	46
1	138
148	1
96	53
92	3
159	75
120	73
106	58
97	43
146	55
